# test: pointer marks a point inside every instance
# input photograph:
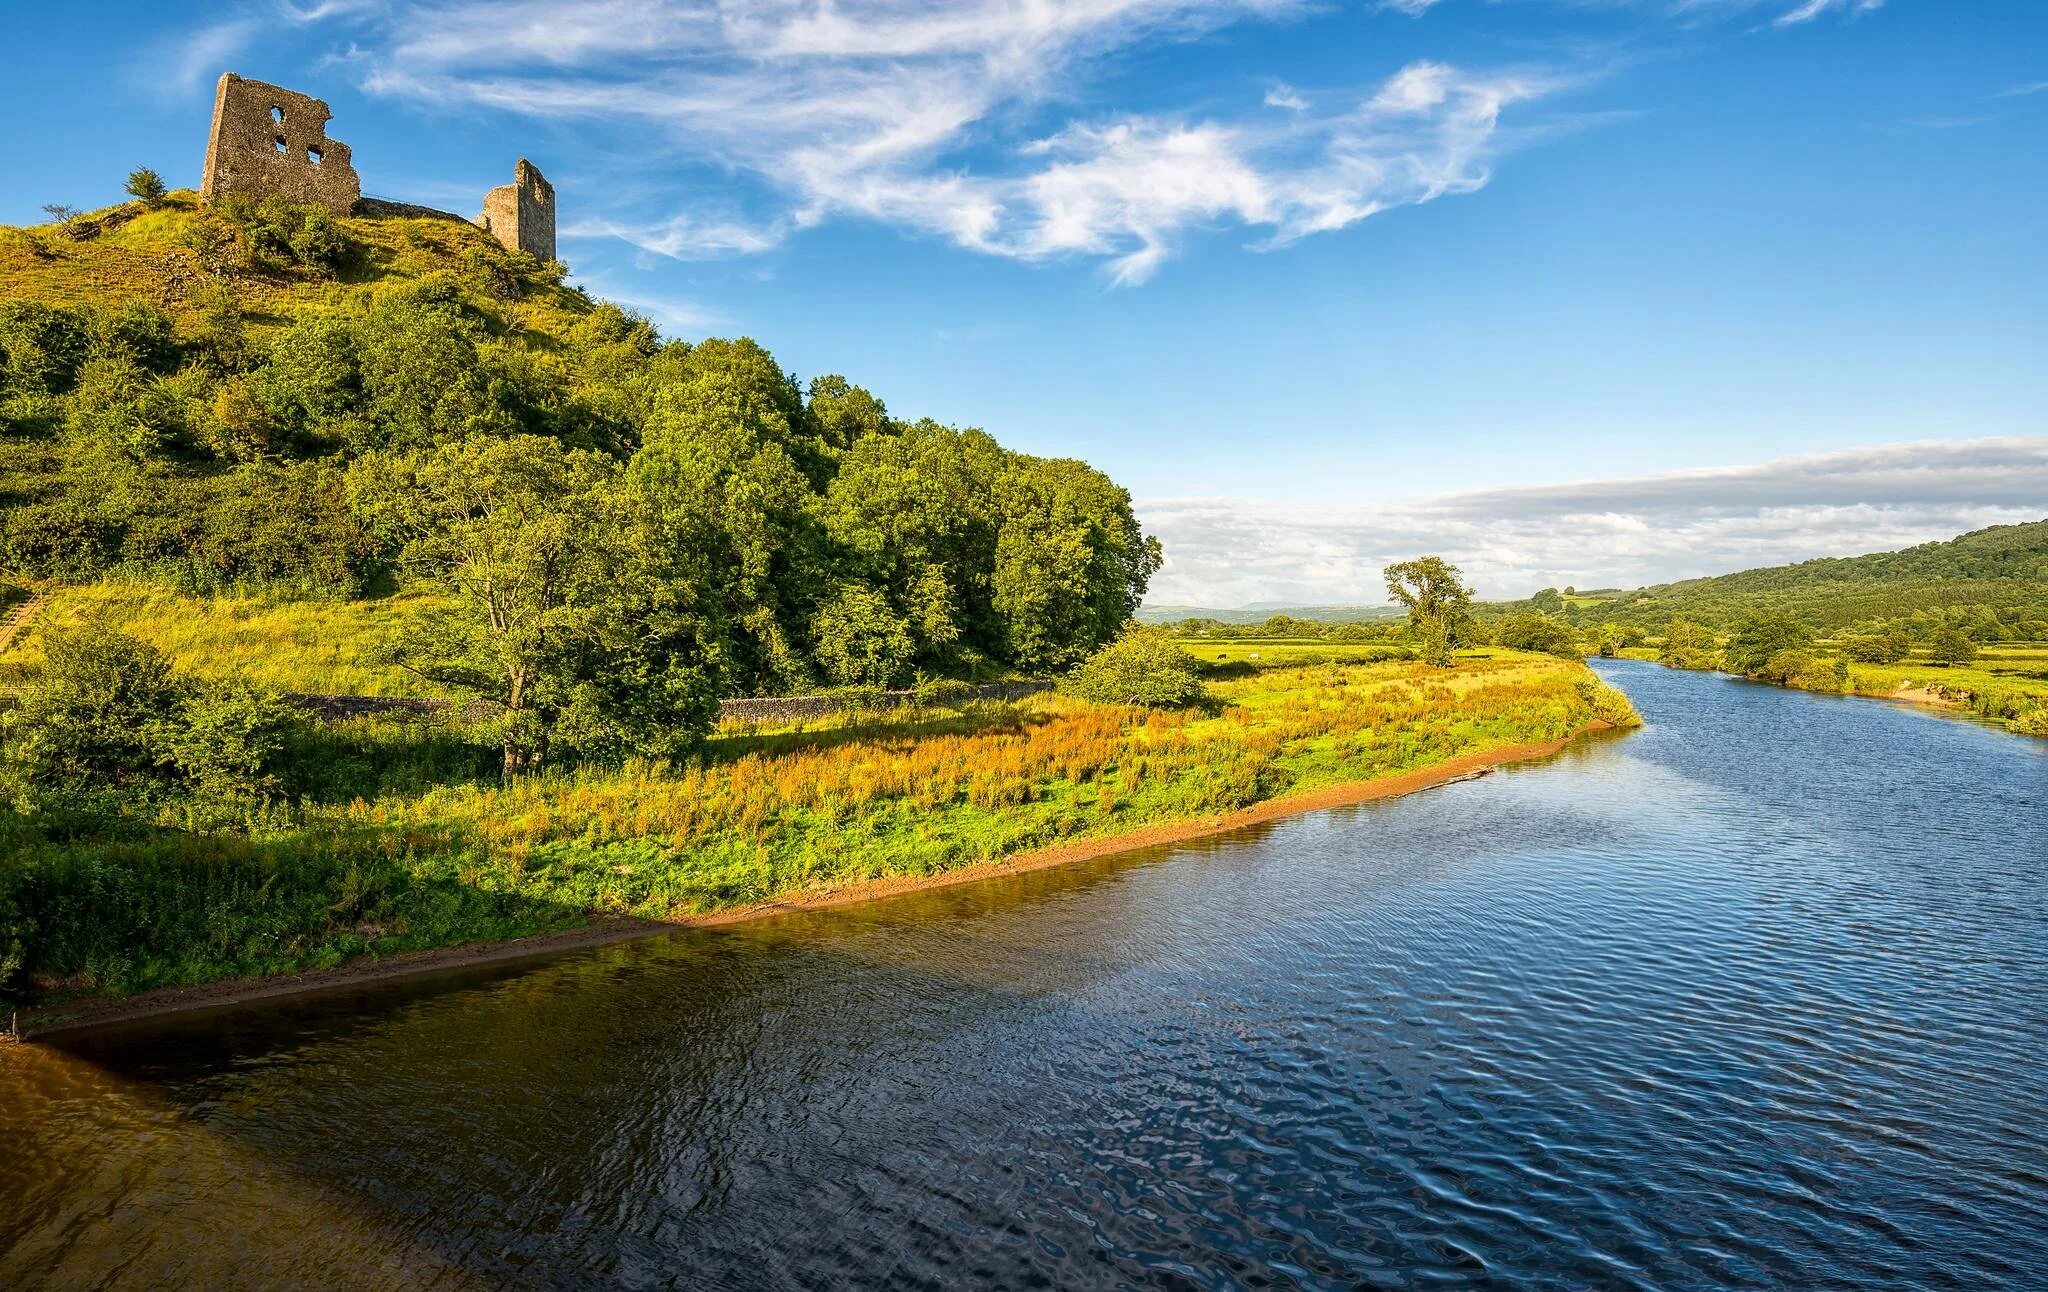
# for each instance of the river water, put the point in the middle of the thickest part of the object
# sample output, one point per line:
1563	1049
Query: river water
1756	996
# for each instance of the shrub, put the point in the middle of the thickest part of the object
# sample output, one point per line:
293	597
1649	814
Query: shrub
1871	650
146	185
1143	667
1689	645
90	715
106	716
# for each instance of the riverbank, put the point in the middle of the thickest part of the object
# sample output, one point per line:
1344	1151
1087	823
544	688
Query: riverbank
605	928
2015	697
77	1016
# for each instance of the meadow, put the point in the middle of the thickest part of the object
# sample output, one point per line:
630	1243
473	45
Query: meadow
406	838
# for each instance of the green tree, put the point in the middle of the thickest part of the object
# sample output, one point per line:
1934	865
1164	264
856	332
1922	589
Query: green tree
1689	644
717	482
1438	602
861	640
147	186
1071	563
1144	666
1537	633
1952	647
1762	636
513	528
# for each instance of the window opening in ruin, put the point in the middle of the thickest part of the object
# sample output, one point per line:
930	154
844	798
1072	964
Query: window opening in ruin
277	114
313	155
281	145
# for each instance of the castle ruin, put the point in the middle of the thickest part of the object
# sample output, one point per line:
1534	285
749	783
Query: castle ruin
268	141
521	215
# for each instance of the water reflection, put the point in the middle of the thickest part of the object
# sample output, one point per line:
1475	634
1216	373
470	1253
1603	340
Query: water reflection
1751	997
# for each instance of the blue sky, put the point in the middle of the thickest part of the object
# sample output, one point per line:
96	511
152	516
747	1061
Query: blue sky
1306	276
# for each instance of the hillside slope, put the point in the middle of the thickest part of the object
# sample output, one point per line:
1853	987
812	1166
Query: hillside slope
214	399
1995	579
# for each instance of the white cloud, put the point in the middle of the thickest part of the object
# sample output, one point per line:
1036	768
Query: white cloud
919	114
684	237
1285	96
1811	9
1625	532
2023	91
197	59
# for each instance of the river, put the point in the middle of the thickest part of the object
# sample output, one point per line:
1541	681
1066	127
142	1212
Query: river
1756	996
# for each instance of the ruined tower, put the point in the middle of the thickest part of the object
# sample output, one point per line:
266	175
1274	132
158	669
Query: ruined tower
269	141
521	215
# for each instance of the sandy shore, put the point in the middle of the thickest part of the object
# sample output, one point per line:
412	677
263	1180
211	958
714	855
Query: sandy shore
75	1015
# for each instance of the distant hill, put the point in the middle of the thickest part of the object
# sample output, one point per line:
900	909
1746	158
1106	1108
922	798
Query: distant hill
2002	571
1262	611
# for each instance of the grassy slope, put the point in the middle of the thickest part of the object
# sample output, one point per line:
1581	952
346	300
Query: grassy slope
142	255
321	646
292	645
432	864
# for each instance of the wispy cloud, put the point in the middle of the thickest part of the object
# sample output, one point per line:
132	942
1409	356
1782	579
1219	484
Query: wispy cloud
1812	9
197	58
2022	91
930	115
1623	532
685	237
982	122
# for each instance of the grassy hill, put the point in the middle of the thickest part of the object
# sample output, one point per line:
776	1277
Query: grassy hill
215	401
1994	581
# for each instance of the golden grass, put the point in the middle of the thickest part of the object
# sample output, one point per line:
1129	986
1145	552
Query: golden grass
326	647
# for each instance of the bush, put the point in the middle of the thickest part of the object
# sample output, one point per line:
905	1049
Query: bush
1690	645
146	185
1144	666
91	715
107	718
1872	650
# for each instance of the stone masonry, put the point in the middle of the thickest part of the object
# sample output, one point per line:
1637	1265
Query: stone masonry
270	141
521	215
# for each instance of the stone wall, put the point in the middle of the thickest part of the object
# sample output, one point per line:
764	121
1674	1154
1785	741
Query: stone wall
269	141
521	215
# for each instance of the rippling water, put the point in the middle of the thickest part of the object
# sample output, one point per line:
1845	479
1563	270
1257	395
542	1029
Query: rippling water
1756	996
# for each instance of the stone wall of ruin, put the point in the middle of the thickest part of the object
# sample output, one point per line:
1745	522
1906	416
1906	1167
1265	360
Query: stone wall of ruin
521	215
270	141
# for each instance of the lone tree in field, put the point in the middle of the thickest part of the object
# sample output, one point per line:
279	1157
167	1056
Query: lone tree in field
1949	646
1439	604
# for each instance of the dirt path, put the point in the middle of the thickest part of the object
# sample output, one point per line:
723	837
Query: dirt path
76	1015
